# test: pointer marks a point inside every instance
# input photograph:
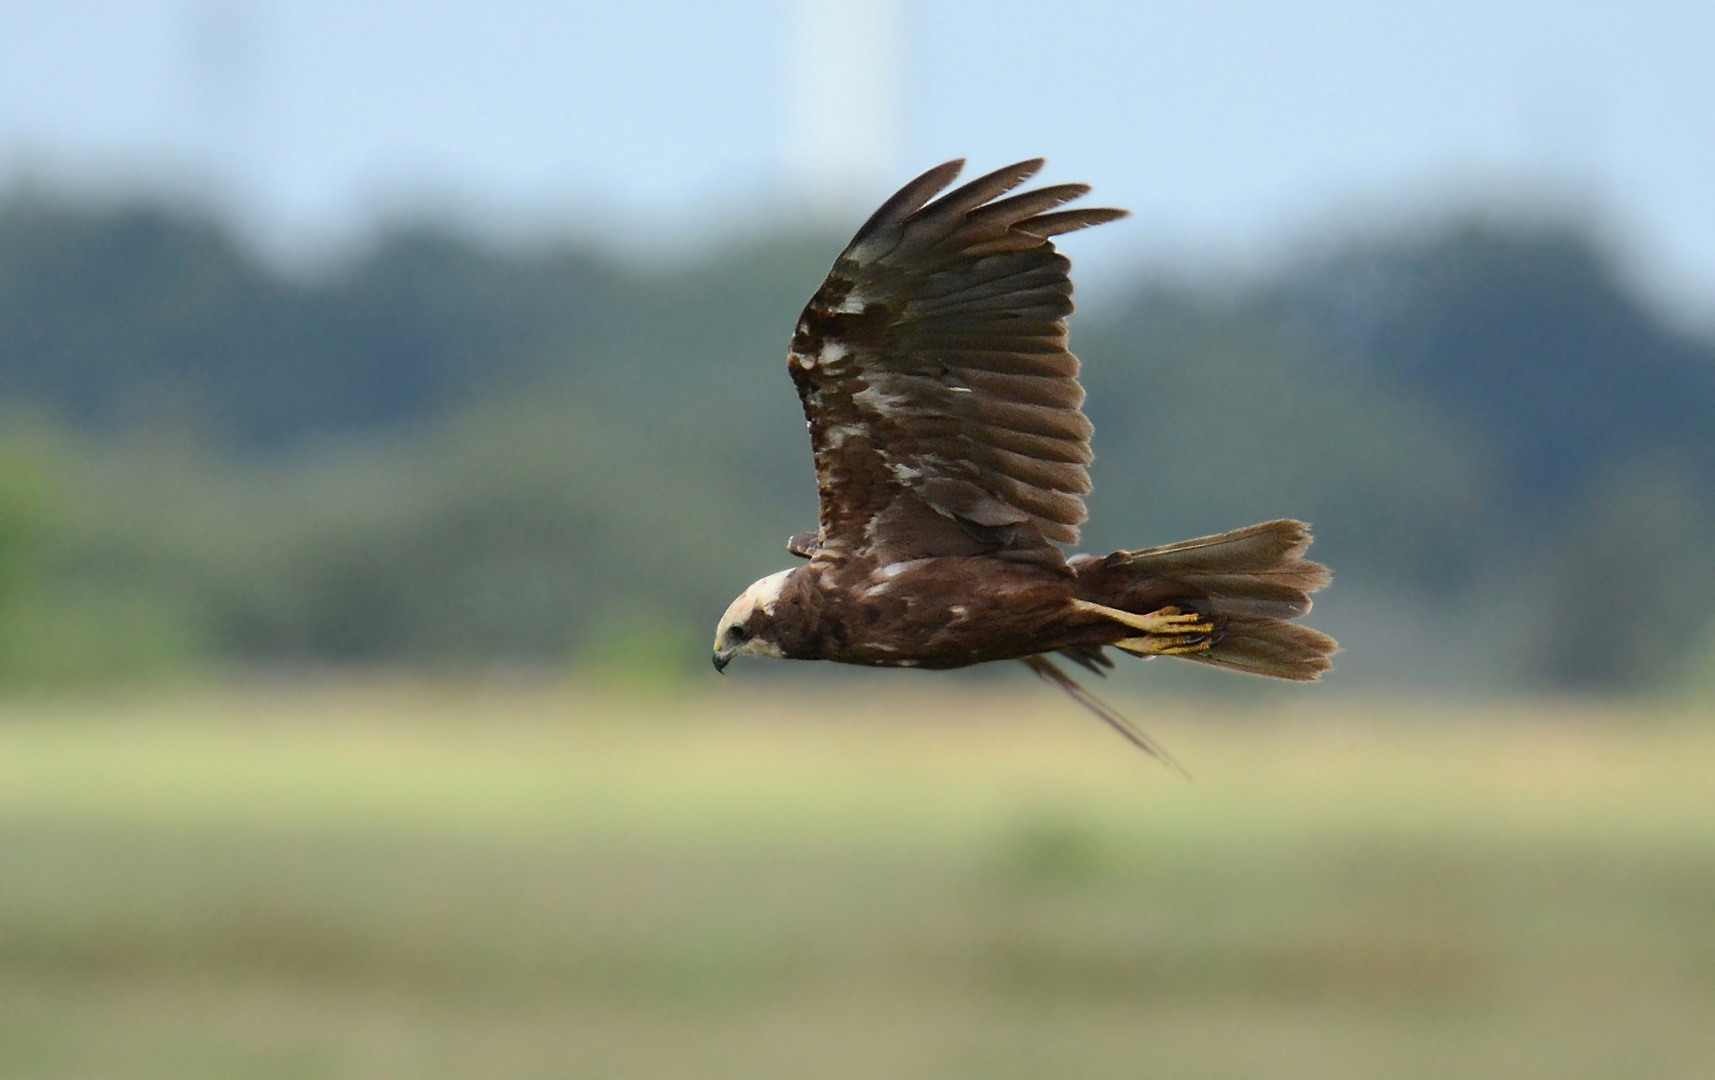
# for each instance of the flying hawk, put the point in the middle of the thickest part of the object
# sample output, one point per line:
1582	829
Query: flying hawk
951	459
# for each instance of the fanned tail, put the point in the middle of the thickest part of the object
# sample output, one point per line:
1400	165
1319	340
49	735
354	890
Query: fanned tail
1250	583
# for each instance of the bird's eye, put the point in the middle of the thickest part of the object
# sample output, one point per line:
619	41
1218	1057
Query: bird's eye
738	635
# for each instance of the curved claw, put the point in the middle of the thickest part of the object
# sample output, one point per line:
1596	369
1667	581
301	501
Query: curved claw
1166	644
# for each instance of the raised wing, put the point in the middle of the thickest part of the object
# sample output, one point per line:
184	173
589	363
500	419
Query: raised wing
943	405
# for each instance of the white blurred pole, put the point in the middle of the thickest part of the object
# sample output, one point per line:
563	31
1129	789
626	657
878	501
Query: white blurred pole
223	56
843	95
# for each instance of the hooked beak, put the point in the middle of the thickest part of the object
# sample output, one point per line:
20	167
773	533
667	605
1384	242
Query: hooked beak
720	662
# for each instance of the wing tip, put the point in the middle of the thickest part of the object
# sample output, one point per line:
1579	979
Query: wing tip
923	197
1047	226
911	197
985	188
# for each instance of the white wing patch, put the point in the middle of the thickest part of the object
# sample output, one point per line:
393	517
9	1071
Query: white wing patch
853	304
883	577
830	354
839	433
872	400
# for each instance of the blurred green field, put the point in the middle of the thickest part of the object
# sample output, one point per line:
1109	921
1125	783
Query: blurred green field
382	879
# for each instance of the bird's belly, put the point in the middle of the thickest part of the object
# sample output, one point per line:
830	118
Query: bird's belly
944	613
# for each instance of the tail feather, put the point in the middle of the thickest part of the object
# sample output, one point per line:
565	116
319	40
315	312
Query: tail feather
1108	715
1262	561
1263	646
1249	582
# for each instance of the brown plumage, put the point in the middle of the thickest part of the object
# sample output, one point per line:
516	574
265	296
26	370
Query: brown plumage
952	456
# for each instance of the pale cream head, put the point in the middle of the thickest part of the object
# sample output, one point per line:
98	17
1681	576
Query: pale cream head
737	634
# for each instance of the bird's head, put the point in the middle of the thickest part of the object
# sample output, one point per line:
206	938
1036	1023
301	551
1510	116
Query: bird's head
747	628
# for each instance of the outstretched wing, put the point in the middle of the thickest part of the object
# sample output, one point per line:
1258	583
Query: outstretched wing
943	405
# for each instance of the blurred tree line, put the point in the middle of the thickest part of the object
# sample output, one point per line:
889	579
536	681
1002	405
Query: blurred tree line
444	452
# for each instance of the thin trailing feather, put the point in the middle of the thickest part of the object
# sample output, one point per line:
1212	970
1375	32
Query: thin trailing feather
1105	712
1091	658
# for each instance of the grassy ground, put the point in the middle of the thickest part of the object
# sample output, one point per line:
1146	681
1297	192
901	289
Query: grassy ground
411	881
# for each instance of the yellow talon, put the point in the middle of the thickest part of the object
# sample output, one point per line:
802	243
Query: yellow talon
1182	650
1162	645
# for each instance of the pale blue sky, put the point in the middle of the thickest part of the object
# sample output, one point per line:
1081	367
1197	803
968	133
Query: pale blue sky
1231	129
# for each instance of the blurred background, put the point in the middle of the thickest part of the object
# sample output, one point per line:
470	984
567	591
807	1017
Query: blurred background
392	396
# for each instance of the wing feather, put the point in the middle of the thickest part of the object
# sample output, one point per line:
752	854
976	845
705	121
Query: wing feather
1012	211
1069	221
1054	476
934	374
950	212
1056	423
1036	446
1025	389
910	198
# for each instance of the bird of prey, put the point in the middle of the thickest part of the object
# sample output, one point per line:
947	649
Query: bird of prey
951	460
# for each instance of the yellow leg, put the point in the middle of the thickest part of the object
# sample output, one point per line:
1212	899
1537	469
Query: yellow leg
1168	620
